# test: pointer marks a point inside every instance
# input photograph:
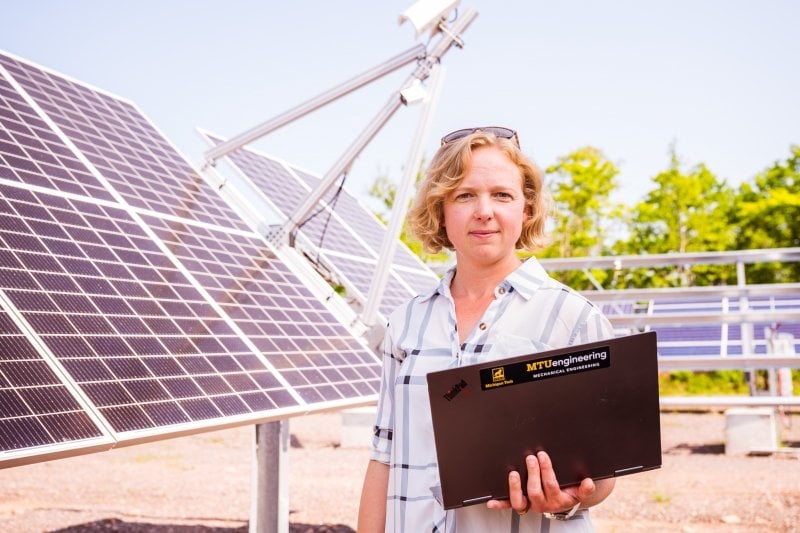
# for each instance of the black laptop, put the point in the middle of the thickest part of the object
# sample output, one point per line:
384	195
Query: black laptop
592	407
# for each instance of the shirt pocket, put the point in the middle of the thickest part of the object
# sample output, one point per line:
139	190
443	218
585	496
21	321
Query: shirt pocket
509	345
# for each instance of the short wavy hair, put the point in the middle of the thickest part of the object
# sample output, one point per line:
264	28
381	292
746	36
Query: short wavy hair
446	171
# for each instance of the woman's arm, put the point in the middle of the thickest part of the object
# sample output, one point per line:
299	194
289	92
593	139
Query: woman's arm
372	509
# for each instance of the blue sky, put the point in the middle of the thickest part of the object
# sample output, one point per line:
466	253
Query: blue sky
717	77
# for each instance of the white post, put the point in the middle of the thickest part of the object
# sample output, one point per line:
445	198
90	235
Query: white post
746	328
269	511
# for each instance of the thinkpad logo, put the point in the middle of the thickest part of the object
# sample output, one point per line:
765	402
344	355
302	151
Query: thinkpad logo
455	390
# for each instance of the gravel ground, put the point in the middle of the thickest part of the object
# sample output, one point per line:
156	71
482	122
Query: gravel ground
202	484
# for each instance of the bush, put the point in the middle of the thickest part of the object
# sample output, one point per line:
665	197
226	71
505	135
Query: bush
713	382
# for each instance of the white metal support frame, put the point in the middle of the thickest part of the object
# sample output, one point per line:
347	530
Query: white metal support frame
400	208
421	73
415	53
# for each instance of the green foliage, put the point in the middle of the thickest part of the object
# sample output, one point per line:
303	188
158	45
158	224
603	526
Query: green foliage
581	184
384	190
659	497
766	215
686	212
717	382
685	382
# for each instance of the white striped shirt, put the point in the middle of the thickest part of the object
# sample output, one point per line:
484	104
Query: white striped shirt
531	312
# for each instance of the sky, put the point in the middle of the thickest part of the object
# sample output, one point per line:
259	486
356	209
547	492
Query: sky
716	78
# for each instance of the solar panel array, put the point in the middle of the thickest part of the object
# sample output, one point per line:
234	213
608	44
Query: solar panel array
340	233
134	301
683	338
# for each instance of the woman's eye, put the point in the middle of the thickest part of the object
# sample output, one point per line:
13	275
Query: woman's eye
463	196
505	195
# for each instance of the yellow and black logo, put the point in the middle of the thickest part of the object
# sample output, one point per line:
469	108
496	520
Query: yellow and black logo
498	374
524	371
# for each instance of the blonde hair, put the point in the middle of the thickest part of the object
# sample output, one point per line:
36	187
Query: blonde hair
445	173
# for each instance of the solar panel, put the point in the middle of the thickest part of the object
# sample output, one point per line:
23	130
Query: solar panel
342	234
684	338
318	356
130	329
160	310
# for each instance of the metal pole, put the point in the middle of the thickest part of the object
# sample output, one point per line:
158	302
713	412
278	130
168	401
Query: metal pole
392	236
344	162
412	54
746	328
269	511
421	73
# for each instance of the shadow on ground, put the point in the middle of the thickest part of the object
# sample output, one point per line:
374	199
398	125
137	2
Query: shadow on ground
116	525
688	449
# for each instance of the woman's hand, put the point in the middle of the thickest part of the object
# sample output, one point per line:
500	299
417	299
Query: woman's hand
544	494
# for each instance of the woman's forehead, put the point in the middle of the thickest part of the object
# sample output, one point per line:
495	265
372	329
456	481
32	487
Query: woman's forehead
493	165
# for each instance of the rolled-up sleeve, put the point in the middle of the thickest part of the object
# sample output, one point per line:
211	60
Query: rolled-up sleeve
383	429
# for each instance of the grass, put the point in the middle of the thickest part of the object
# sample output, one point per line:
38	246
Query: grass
659	497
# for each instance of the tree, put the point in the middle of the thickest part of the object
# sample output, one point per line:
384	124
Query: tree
685	212
581	184
766	214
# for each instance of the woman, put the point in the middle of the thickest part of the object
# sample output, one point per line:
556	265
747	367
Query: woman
483	199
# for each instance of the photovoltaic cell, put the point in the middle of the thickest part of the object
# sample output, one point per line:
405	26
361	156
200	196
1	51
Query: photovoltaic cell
345	236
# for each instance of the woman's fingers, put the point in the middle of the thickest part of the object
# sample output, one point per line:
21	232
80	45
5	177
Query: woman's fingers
519	502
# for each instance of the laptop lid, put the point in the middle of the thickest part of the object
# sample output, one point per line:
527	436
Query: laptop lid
592	407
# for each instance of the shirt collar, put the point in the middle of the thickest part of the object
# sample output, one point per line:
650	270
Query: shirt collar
526	279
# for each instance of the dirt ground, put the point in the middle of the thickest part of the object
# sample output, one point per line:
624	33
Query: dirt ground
202	483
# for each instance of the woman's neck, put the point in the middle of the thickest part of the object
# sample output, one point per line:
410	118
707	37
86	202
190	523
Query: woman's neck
475	283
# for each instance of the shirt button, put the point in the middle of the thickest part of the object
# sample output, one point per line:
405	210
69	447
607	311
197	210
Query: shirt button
482	326
501	290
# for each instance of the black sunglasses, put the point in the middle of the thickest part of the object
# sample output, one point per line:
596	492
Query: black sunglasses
504	133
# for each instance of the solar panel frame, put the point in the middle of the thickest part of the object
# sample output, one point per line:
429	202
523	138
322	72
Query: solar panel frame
132	327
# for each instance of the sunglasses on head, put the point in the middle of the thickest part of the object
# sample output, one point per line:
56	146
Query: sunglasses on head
499	131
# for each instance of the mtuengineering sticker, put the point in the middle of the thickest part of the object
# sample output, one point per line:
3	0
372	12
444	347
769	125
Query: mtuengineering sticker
549	367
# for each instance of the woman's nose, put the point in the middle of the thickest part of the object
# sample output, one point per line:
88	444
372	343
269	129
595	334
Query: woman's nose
483	208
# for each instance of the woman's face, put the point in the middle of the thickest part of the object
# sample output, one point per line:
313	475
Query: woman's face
483	216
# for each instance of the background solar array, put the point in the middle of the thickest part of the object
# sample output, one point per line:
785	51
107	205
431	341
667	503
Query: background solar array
684	338
346	237
138	285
